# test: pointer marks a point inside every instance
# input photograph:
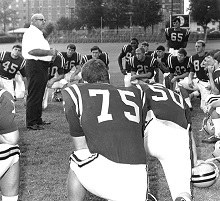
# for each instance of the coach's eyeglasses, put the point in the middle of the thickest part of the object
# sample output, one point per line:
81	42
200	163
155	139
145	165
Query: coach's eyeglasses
42	20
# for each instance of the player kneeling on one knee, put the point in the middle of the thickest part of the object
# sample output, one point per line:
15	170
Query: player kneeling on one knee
9	150
167	137
110	163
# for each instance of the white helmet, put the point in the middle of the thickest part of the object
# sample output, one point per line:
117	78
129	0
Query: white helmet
205	174
208	126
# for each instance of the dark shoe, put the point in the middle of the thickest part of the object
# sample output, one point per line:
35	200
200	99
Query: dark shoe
44	123
35	127
211	140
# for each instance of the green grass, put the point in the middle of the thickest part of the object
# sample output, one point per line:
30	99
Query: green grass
44	159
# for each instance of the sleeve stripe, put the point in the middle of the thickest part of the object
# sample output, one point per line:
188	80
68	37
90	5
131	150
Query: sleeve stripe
2	56
143	95
73	98
80	98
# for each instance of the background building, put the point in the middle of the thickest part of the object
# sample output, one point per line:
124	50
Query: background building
51	9
54	9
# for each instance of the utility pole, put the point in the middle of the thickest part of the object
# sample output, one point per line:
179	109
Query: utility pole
171	13
101	29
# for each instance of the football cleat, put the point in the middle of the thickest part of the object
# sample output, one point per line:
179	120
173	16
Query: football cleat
204	174
57	96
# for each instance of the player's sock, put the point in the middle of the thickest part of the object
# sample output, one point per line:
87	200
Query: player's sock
216	123
188	102
12	198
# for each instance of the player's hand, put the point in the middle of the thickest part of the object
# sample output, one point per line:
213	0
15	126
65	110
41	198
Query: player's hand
174	80
159	59
123	71
50	83
53	52
199	162
191	85
208	87
211	69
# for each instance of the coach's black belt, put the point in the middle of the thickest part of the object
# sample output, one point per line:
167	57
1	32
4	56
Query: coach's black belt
204	80
4	77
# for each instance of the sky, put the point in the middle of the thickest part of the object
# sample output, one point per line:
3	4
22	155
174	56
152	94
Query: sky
186	5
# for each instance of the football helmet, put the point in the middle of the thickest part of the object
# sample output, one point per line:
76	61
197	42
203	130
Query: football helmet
205	174
208	126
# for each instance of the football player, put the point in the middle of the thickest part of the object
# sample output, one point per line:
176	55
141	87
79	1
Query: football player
145	45
212	61
176	37
127	52
162	58
167	137
96	54
9	149
179	69
110	163
56	78
142	66
10	64
198	77
72	67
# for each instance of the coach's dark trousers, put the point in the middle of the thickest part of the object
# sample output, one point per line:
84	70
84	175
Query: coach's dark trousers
37	77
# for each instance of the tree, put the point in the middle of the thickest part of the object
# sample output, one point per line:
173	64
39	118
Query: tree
146	13
116	14
7	15
48	29
203	12
63	23
89	12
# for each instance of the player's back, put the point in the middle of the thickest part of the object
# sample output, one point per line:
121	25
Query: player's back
111	121
165	104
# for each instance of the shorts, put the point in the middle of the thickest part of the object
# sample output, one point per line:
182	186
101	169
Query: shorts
170	144
107	179
200	86
173	51
8	85
70	78
9	155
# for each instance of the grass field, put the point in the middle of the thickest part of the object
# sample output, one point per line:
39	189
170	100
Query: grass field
44	159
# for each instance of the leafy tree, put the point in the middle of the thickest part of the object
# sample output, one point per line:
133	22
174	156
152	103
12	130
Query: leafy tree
48	29
146	13
7	15
203	11
63	23
27	25
116	14
89	12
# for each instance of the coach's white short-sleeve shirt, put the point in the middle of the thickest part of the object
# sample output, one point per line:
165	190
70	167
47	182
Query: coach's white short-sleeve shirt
33	39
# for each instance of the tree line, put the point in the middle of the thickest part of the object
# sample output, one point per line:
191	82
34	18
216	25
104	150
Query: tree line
115	14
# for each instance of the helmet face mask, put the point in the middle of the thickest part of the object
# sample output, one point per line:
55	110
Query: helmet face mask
205	174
